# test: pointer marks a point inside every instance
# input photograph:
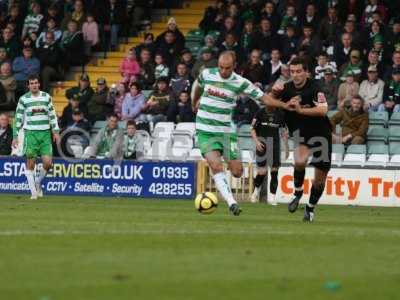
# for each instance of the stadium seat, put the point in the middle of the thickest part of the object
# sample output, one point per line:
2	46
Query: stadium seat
196	35
355	155
98	125
378	134
378	154
122	124
164	129
394	133
145	136
159	149
246	144
378	118
247	156
182	140
337	152
178	154
195	154
244	130
146	93
394	148
395	119
186	127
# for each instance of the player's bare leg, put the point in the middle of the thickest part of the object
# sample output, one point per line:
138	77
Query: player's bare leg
47	163
301	155
30	176
221	182
317	189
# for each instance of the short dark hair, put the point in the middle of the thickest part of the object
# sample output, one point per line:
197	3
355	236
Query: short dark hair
358	97
135	84
112	115
299	61
33	77
130	123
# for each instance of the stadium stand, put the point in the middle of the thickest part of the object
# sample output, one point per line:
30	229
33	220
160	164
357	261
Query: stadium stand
337	28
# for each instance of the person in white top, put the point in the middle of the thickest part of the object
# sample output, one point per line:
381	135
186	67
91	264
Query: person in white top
371	90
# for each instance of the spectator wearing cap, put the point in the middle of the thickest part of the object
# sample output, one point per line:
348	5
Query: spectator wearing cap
155	109
264	39
289	43
347	90
329	85
378	46
323	64
148	43
391	94
10	43
354	66
73	46
6	134
206	60
9	84
343	49
146	76
98	105
83	92
24	66
395	64
172	27
354	123
371	90
181	81
254	70
66	117
33	21
373	60
50	56
133	103
129	67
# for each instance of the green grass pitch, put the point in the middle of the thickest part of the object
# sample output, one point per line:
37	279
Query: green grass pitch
90	248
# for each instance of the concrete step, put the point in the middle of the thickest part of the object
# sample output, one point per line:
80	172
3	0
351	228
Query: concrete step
187	11
183	19
110	77
182	27
109	62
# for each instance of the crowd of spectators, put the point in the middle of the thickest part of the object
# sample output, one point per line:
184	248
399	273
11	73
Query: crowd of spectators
352	48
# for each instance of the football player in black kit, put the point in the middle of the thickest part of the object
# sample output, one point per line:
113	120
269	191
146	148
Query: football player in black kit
265	133
307	122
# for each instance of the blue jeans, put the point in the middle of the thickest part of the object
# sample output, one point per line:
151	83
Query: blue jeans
114	34
382	107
